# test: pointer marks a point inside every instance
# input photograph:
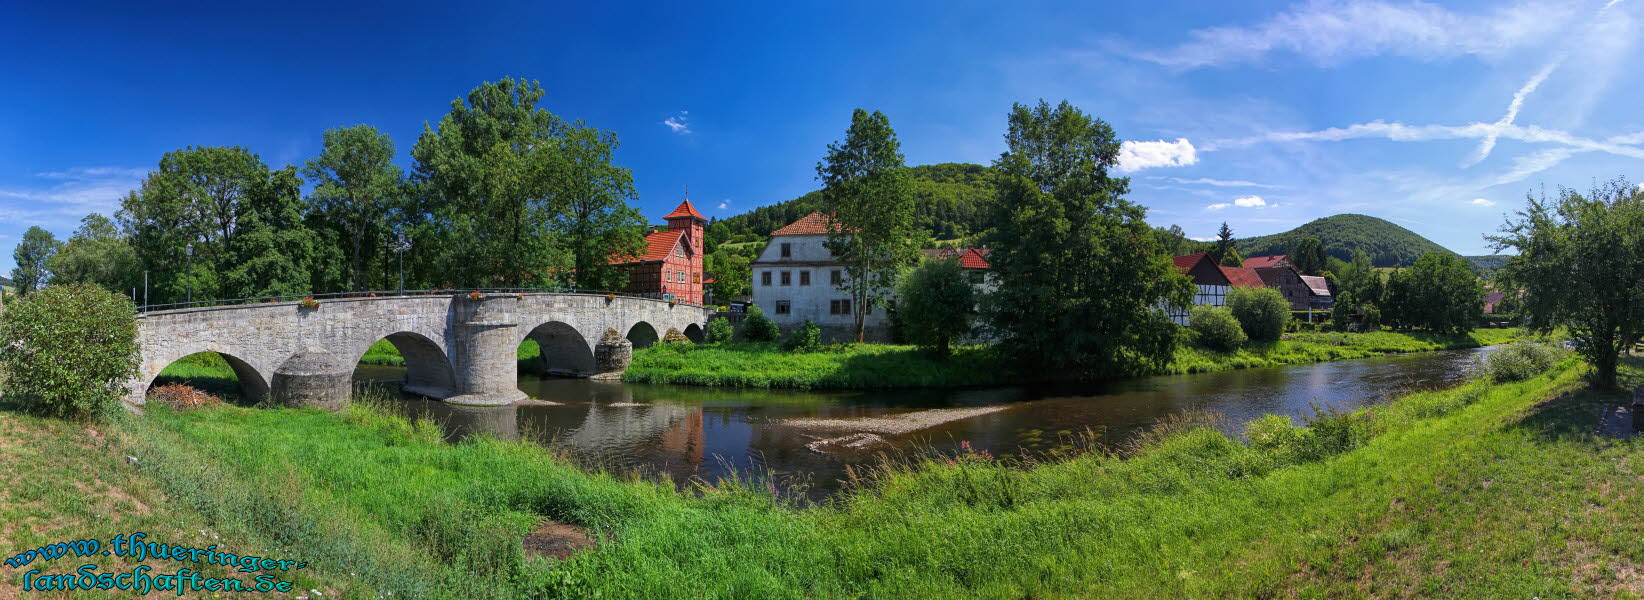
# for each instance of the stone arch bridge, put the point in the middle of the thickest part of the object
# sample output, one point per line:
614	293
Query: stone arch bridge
456	348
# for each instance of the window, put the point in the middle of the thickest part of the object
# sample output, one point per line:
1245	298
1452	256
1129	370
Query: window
787	250
839	307
787	278
679	250
804	278
782	307
666	276
765	278
696	278
837	277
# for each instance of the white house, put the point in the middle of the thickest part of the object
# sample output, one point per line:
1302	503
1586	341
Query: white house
796	278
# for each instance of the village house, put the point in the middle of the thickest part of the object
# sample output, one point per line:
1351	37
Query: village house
796	278
1213	283
1304	292
670	266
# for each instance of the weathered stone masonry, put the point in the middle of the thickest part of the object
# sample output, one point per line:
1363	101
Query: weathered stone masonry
456	349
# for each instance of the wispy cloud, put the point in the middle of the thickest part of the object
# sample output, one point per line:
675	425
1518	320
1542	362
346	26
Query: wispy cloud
1400	132
1221	182
1489	141
724	204
1331	32
680	123
1242	202
1482	202
1135	156
63	197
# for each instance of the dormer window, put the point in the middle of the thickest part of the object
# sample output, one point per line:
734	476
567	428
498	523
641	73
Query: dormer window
787	250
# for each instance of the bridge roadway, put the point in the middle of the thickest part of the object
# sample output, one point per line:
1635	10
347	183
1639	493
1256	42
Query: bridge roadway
456	348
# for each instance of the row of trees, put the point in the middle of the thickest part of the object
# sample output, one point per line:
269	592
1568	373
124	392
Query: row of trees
502	193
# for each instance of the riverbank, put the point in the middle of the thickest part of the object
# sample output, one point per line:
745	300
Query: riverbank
1380	502
849	366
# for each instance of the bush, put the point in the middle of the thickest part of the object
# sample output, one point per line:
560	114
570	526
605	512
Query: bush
936	305
757	327
1262	312
1216	328
1520	361
68	350
805	338
1372	318
720	330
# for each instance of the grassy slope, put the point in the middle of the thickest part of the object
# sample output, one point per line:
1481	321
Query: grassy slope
1483	491
887	366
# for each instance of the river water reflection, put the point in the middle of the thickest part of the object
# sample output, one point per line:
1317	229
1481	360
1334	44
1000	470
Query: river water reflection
710	433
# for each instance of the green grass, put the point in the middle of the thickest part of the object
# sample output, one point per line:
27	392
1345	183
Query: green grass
1479	491
847	366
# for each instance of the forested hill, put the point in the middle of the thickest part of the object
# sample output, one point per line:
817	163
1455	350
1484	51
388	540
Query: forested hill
1387	244
950	199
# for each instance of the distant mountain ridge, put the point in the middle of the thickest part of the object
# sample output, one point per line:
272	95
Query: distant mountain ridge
1388	245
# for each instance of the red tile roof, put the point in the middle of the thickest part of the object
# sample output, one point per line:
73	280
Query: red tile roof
974	258
685	210
1186	263
1318	285
810	224
1243	277
1263	262
658	246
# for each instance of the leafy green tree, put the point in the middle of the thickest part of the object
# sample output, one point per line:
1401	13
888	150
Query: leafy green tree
68	350
756	327
485	175
1580	264
1232	258
1080	273
1372	317
1262	312
273	255
199	196
720	330
1358	280
1307	256
356	186
1439	293
732	273
936	304
868	197
97	254
1224	245
593	217
1216	328
1175	240
33	256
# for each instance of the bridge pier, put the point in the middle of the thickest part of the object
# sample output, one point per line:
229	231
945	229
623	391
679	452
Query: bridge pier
315	377
486	353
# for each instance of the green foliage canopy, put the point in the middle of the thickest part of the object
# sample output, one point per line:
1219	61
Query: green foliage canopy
868	198
1216	328
33	257
936	304
1262	312
68	350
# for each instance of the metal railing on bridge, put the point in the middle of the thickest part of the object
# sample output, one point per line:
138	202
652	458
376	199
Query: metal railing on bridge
403	293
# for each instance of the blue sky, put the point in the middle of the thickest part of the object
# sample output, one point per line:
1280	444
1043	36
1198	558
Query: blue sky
1262	114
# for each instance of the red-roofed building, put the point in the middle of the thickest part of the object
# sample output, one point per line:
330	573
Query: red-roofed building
1211	281
1266	262
671	266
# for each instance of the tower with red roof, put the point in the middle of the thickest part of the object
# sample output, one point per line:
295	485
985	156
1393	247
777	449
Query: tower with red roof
671	265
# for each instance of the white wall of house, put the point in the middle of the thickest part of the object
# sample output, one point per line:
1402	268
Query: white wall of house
1207	294
796	285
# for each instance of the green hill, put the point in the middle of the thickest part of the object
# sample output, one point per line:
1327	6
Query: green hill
1387	244
949	198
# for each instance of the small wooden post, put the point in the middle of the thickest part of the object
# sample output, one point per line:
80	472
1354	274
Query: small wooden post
1638	408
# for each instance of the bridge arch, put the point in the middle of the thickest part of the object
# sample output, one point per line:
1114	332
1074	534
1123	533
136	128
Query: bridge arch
427	368
564	351
253	385
642	334
694	333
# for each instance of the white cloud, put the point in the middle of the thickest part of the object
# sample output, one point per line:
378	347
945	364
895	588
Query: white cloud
1221	182
63	197
1250	202
1330	32
1482	202
724	204
1135	156
1208	238
1218	206
680	123
1489	141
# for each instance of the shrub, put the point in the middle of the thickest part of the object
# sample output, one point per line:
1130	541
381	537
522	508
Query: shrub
1520	361
1262	312
1331	432
720	330
1372	318
1216	328
936	304
68	350
1276	435
805	338
757	327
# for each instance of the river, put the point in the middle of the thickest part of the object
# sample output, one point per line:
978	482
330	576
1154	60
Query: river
806	440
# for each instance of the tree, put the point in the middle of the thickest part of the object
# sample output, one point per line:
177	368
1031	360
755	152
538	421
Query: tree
594	219
1231	258
274	253
732	273
1358	280
936	304
356	185
1216	328
1580	264
720	330
1307	256
1439	293
1080	273
1262	312
96	254
33	257
69	350
868	198
756	327
485	177
1175	241
1224	244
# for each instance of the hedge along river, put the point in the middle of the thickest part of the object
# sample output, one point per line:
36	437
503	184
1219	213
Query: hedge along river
806	440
